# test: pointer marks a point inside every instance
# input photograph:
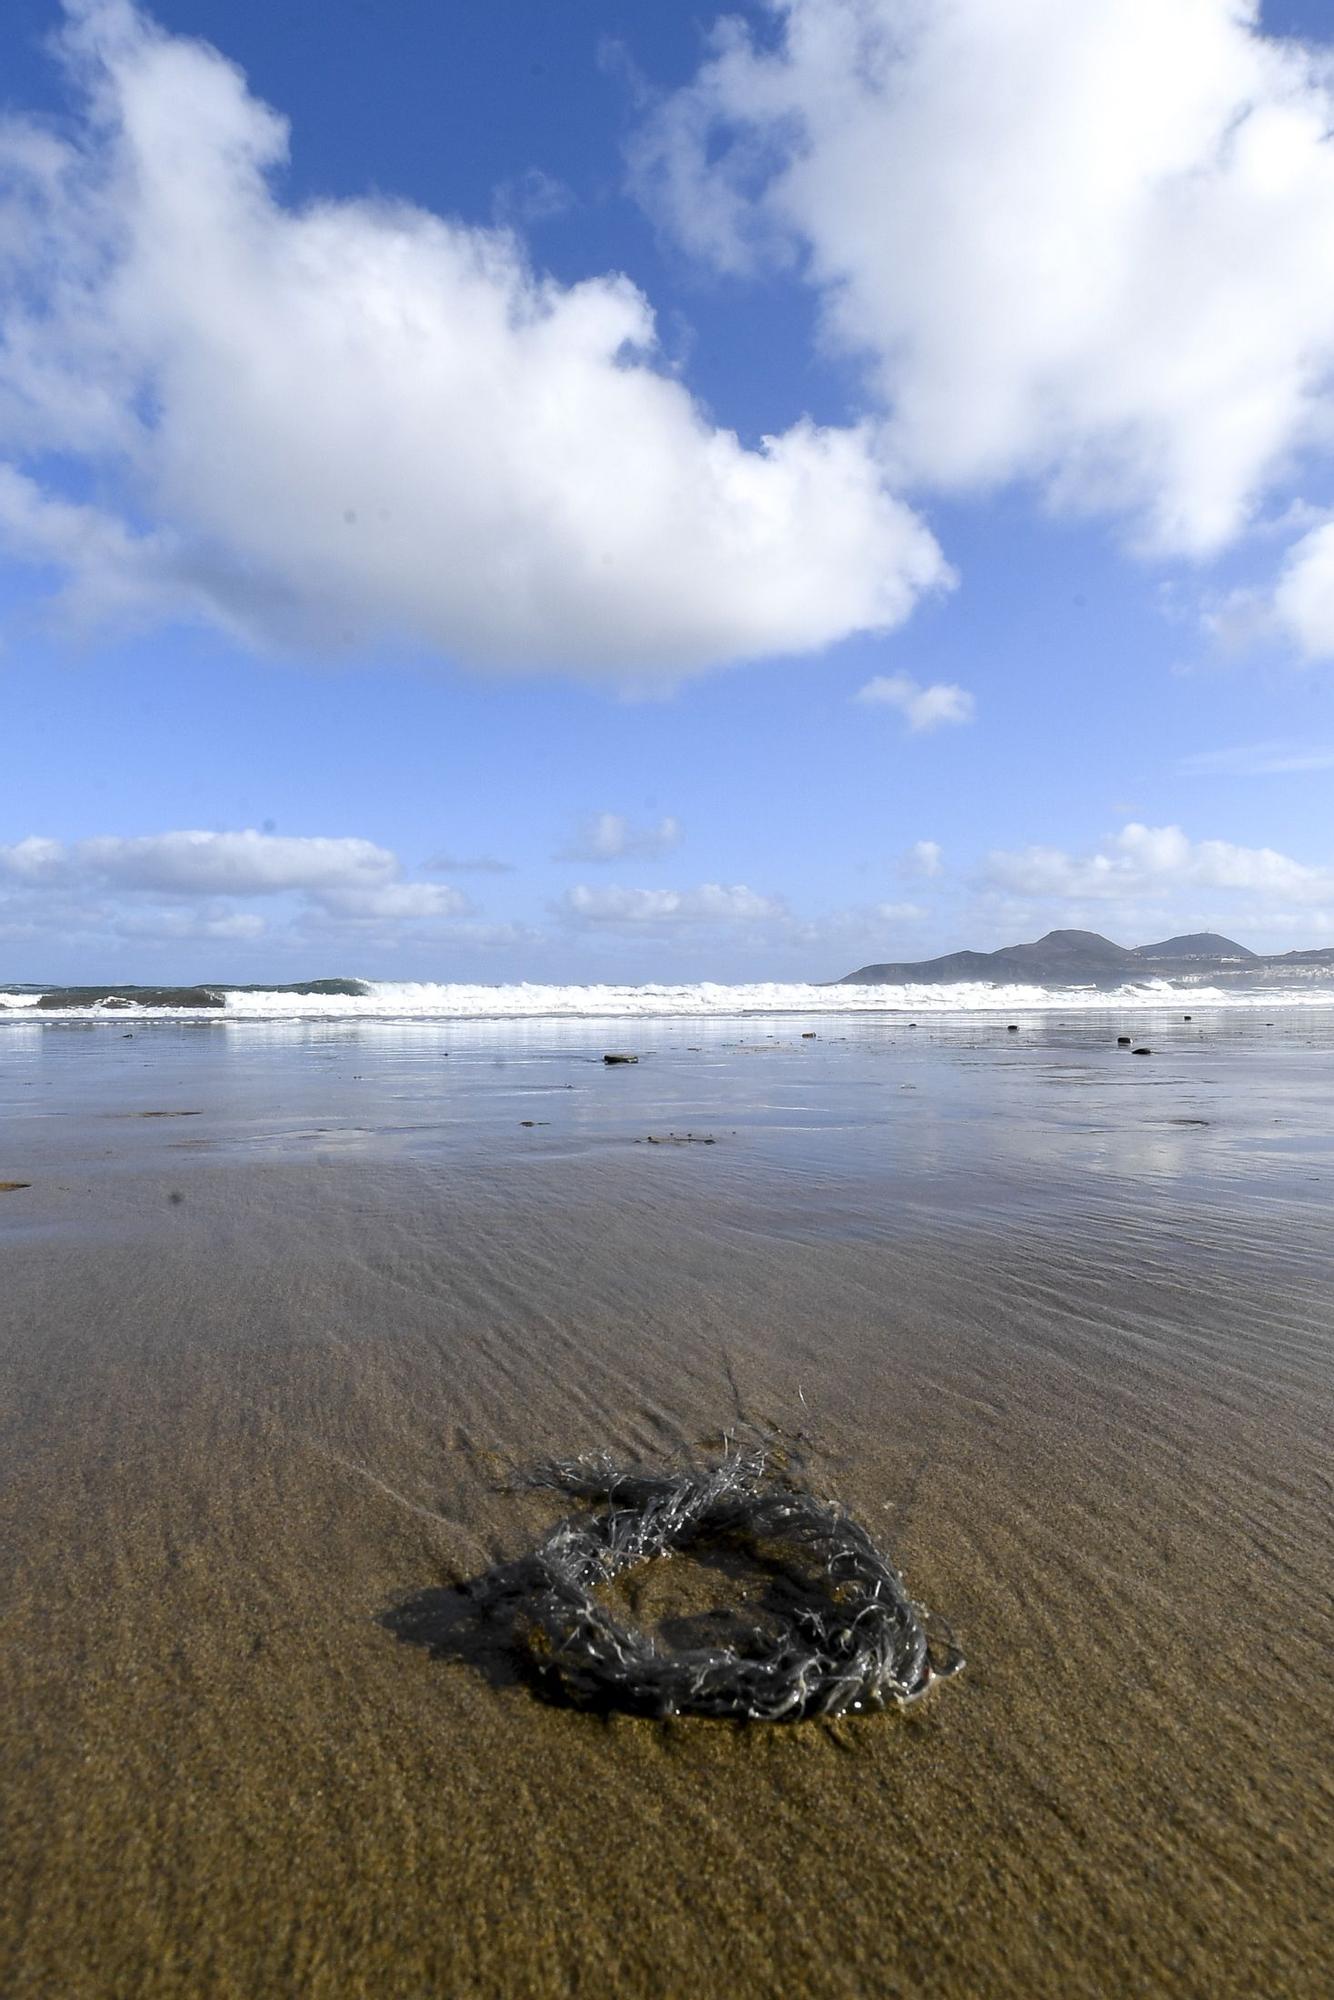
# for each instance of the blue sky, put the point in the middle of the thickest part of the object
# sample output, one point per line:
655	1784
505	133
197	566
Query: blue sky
387	495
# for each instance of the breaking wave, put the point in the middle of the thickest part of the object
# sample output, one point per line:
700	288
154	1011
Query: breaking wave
399	1000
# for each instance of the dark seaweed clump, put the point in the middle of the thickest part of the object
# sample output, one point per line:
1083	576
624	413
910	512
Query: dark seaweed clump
852	1639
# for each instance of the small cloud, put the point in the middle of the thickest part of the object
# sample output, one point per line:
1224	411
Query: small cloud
1144	860
1238	622
611	837
177	925
33	859
1297	517
924	859
711	903
529	198
478	864
394	900
240	924
615	60
923	707
1303	602
1258	760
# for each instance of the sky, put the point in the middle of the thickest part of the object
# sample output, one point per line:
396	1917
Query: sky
618	492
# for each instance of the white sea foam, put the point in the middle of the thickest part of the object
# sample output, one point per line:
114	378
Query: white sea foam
394	1000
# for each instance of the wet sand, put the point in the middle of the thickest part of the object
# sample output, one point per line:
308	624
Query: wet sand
1056	1322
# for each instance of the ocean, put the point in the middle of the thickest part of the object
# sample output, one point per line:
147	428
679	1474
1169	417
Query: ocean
430	1000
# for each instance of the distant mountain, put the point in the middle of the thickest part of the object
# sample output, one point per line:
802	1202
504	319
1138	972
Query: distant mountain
1059	955
1083	958
1320	955
1198	944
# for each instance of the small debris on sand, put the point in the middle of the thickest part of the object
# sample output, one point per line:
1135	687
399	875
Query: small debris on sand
12	1187
679	1139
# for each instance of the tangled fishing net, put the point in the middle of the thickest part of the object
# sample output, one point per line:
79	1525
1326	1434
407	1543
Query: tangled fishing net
852	1638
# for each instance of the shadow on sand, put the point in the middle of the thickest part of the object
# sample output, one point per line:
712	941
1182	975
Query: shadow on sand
476	1622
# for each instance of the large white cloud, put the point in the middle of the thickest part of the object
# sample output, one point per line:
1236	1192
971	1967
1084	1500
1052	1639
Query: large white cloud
358	419
1086	244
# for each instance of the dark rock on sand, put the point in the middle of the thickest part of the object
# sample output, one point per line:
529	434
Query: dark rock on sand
1123	1041
620	1059
1141	1052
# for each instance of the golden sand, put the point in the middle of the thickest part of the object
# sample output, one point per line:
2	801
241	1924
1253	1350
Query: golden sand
245	1425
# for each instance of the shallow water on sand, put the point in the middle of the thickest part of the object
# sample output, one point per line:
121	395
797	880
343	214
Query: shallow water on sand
284	1304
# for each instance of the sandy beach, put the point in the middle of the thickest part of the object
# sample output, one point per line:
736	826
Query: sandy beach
285	1307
